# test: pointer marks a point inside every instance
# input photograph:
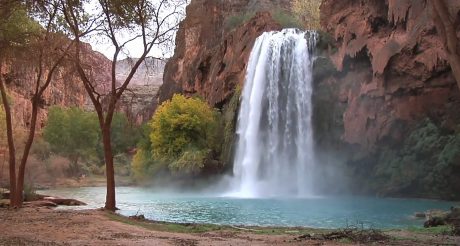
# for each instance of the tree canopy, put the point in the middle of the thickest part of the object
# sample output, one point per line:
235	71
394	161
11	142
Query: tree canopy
179	139
71	132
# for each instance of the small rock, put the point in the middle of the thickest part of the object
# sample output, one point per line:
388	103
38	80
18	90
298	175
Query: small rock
420	215
4	203
137	217
435	221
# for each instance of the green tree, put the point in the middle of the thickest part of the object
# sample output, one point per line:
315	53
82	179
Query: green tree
124	134
120	22
72	133
20	33
183	133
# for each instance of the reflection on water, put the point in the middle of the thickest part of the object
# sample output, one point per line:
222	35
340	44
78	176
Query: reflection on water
321	212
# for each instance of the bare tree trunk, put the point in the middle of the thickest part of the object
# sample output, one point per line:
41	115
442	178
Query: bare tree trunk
110	202
446	29
11	148
25	155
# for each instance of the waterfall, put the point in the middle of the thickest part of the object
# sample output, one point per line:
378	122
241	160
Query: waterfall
274	153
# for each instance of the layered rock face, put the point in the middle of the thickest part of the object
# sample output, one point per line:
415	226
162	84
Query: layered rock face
396	104
139	101
387	108
210	57
20	77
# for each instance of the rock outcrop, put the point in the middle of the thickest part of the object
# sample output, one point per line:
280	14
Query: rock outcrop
397	105
387	108
20	74
210	56
140	99
67	90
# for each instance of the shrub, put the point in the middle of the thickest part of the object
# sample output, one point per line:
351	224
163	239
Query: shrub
190	162
426	164
180	125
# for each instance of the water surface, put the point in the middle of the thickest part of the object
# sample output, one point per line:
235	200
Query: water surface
319	212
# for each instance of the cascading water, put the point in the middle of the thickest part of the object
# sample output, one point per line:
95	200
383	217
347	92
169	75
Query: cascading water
274	155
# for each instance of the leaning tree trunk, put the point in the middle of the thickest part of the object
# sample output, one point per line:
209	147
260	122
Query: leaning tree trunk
25	155
11	148
110	203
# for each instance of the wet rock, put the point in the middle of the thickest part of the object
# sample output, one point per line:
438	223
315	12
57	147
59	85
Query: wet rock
4	194
137	217
435	221
453	218
4	203
420	215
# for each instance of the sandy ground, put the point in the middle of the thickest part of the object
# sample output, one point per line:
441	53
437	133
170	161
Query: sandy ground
43	226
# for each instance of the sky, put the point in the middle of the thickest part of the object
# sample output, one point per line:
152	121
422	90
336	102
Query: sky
135	48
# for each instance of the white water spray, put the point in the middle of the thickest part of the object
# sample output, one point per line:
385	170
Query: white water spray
274	155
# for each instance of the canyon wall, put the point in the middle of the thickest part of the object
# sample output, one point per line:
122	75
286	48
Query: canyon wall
387	108
211	55
140	99
66	89
395	104
213	45
20	75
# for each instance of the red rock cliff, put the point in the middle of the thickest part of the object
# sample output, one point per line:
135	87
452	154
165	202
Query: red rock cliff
393	107
408	76
209	59
65	89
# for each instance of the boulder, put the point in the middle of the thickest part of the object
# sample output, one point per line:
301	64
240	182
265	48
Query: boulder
4	203
420	215
435	221
40	203
64	201
4	193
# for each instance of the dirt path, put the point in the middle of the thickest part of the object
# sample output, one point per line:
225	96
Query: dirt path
42	226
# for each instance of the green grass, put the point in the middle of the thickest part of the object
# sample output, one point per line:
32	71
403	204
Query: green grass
438	230
164	226
200	228
413	236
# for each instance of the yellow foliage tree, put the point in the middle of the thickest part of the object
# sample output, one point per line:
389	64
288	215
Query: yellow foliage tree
308	12
183	133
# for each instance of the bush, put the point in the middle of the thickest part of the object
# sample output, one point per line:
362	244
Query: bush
181	125
425	165
144	167
190	162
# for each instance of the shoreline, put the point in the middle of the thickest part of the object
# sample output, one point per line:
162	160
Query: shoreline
45	226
